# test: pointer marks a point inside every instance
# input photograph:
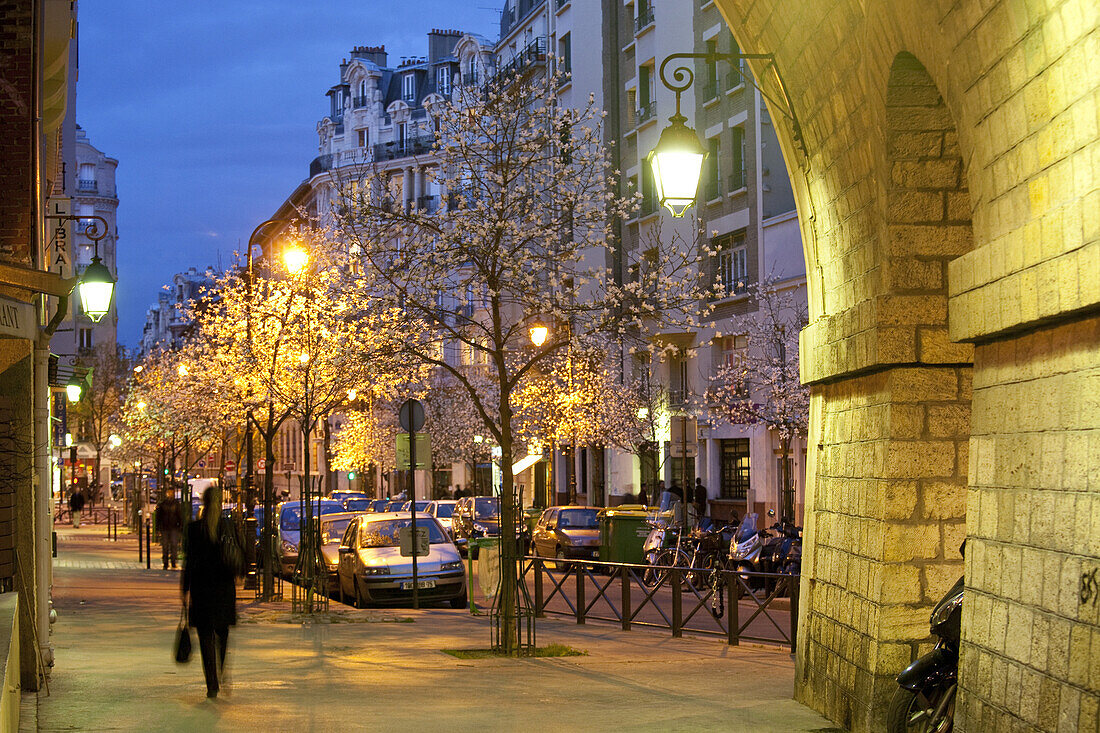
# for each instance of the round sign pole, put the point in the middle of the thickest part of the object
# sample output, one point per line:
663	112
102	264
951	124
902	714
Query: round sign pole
411	416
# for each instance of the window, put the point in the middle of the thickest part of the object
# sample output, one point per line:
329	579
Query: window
735	468
733	269
443	80
645	86
737	158
779	491
734	79
713	171
733	349
403	133
364	138
679	383
86	337
408	83
565	55
710	79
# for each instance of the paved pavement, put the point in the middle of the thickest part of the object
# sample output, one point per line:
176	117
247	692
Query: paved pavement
378	668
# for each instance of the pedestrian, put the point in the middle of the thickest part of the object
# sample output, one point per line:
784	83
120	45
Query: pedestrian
212	560
700	500
169	522
643	497
76	506
676	491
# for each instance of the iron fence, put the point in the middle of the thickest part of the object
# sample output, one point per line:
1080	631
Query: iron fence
701	601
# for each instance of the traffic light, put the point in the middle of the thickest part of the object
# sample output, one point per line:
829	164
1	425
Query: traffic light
351	475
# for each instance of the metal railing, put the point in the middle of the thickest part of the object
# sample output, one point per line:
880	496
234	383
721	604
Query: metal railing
419	145
697	600
88	186
737	180
713	188
359	101
645	17
647	111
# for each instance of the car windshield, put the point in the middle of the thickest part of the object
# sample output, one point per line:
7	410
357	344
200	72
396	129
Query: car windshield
386	532
357	505
443	511
333	530
290	519
379	504
577	519
486	507
420	506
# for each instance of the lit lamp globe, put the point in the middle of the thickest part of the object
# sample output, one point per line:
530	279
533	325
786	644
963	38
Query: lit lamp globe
74	389
295	259
539	333
97	287
677	162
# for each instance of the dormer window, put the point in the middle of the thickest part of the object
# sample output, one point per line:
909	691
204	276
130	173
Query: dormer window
443	80
408	88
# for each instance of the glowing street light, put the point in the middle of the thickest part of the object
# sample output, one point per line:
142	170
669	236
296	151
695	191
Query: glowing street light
677	162
295	258
539	333
114	440
74	389
96	288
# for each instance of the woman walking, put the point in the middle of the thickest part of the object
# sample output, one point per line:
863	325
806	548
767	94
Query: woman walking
211	563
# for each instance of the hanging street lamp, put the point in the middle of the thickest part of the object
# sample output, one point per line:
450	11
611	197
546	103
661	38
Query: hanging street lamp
677	160
96	289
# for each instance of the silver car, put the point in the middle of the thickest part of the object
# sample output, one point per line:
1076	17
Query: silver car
442	509
373	571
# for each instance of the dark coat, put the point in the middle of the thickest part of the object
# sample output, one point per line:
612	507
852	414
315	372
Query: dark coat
207	578
76	501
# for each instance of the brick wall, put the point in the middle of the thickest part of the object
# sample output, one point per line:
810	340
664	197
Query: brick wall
16	115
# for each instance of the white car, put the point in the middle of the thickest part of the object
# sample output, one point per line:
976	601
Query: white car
442	509
372	569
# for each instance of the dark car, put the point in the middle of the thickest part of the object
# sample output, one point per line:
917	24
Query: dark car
379	505
358	504
394	505
373	571
475	517
342	496
567	532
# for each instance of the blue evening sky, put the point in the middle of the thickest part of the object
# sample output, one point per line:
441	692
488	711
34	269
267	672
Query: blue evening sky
211	109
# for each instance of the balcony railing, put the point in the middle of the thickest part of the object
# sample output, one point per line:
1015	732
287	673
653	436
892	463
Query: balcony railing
709	90
534	53
426	203
87	186
737	181
420	145
647	112
649	205
469	78
358	102
733	79
645	17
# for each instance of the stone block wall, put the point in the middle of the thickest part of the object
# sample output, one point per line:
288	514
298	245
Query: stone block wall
889	518
1031	654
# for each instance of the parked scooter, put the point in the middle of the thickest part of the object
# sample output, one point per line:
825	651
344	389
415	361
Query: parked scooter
925	699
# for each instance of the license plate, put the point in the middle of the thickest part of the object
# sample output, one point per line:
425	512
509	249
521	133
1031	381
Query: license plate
421	584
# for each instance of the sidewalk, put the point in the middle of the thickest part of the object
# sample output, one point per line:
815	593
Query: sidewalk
114	669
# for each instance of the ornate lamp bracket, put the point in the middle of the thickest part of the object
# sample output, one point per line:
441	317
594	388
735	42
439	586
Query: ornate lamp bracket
683	77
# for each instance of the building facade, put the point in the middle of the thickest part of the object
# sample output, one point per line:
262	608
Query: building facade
167	322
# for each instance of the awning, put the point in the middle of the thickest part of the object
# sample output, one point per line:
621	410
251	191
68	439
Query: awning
526	462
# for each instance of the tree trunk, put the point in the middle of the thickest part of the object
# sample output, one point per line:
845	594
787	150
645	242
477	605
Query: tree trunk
509	636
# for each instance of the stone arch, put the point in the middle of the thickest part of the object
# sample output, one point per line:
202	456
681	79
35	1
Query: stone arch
889	344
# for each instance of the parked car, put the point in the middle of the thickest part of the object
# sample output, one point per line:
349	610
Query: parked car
342	496
290	522
474	517
358	504
421	506
442	509
333	527
394	505
372	571
567	532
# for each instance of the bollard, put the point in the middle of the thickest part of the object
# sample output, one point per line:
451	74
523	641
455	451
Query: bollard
148	544
141	545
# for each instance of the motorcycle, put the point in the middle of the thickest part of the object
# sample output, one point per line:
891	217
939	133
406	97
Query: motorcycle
925	698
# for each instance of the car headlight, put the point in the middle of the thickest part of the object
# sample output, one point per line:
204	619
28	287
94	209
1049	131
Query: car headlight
288	548
453	565
376	570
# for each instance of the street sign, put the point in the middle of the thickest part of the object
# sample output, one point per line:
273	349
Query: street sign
59	243
202	464
679	450
290	466
261	464
404	537
230	465
411	416
423	451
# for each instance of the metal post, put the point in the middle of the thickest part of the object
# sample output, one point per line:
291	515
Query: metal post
412	506
733	600
141	545
578	570
677	603
539	601
148	544
624	577
794	582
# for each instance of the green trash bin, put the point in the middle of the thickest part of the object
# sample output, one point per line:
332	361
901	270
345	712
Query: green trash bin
623	531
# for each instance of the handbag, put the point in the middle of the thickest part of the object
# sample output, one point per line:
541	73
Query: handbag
231	551
183	639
